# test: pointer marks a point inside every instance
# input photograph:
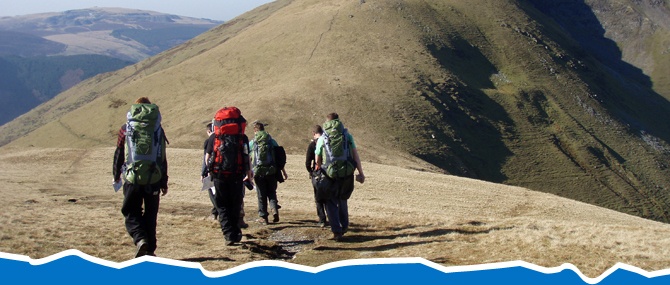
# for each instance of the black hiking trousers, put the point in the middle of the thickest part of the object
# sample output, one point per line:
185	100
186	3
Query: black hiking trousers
266	191
141	224
228	202
320	207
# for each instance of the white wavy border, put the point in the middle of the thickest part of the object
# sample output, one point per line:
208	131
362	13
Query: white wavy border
353	262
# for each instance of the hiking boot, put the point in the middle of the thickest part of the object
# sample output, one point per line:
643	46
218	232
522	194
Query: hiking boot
337	236
242	224
275	214
229	243
262	221
142	248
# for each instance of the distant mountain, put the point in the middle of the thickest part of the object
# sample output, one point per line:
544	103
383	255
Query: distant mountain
42	55
507	91
127	34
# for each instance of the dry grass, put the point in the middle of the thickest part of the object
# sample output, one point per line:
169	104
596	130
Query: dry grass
59	199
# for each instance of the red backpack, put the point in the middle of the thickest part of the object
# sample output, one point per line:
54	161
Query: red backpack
231	145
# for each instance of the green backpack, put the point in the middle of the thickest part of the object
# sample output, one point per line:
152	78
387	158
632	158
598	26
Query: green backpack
338	162
263	161
145	145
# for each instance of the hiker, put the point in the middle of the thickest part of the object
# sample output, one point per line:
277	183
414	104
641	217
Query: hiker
214	213
265	169
140	158
227	157
337	156
310	165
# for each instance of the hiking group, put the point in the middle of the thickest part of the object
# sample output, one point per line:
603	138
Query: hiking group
231	162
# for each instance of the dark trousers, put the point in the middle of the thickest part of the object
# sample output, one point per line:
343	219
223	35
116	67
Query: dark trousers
320	208
337	207
266	190
141	224
215	212
228	200
211	198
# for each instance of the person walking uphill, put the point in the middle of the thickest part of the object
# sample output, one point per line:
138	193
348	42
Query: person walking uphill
227	157
141	161
265	170
310	165
205	175
337	156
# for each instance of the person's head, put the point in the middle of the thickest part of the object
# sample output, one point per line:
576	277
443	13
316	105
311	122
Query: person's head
332	116
317	131
209	129
142	100
259	126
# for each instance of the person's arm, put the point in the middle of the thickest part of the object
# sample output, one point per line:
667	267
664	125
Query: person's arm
203	170
354	153
360	177
318	149
309	157
164	168
119	154
209	148
247	165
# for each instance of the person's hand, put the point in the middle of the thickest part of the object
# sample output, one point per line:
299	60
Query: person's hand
285	175
164	191
249	177
360	178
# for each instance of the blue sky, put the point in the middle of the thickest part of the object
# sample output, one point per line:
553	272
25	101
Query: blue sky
221	10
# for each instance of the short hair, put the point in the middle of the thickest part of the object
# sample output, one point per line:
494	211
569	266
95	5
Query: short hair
316	129
142	100
209	127
333	116
258	126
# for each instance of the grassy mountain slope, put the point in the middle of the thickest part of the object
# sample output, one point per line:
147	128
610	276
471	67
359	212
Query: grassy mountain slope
631	37
493	90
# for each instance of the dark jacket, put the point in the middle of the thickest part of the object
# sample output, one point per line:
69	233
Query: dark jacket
205	146
310	158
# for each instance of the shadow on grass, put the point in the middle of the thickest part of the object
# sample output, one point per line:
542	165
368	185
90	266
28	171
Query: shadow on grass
358	238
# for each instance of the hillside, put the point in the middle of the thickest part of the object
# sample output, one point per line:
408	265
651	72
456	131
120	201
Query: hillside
631	37
26	82
492	90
